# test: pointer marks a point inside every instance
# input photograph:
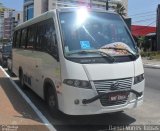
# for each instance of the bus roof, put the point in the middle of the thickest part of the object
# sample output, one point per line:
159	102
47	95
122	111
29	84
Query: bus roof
50	14
39	18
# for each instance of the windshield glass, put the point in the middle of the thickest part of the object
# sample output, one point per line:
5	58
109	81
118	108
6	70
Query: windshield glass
86	30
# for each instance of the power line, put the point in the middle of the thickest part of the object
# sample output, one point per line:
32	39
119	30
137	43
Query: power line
145	20
154	3
148	12
151	6
143	15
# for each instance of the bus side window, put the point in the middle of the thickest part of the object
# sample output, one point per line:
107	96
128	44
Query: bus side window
51	39
46	38
23	38
14	39
40	41
18	38
31	37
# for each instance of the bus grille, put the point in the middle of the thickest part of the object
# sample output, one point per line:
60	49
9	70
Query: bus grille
105	86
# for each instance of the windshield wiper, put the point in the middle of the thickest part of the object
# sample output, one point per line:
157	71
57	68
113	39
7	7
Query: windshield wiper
104	54
115	48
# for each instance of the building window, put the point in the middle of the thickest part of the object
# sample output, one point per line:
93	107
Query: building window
29	11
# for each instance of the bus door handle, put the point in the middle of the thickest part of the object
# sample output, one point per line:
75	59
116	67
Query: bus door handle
36	66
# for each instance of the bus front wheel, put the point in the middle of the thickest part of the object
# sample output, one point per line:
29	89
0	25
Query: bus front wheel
52	101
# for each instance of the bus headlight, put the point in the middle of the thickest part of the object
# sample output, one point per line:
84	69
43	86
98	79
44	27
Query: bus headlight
78	83
138	78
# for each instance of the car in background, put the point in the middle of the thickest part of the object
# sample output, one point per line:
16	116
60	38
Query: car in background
5	53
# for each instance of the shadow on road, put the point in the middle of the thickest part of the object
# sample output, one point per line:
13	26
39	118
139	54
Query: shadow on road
18	103
94	122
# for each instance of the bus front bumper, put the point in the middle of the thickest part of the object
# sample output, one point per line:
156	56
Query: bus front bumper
90	104
87	101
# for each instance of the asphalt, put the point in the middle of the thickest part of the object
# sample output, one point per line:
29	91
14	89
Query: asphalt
151	63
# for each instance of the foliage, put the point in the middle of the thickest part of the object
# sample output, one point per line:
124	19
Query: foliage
120	9
141	39
151	55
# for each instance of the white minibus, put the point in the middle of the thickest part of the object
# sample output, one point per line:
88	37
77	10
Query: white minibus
81	61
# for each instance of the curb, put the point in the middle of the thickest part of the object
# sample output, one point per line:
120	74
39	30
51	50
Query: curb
153	66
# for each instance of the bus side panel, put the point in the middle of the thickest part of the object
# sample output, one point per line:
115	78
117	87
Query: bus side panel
25	60
37	66
46	67
15	65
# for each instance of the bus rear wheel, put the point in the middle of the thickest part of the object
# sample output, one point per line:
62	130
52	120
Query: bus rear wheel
52	102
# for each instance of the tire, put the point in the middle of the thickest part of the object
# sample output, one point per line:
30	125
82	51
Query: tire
52	102
11	73
8	68
21	79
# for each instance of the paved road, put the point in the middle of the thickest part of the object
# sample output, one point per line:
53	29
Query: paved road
148	113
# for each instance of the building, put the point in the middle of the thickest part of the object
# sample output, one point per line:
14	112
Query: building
2	19
2	9
1	26
138	30
148	32
92	3
33	8
11	19
8	22
40	7
28	9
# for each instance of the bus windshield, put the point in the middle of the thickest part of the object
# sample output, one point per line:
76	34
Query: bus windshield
90	31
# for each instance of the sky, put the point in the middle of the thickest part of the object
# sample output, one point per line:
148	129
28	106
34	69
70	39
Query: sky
142	12
14	4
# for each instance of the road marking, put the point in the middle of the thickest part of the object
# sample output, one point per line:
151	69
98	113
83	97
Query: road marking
41	116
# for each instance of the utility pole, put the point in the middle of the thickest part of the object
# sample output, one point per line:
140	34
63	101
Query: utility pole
158	28
107	5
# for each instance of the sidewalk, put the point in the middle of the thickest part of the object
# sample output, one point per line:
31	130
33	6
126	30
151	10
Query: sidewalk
151	63
15	113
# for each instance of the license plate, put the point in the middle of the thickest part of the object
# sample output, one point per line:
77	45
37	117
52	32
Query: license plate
118	97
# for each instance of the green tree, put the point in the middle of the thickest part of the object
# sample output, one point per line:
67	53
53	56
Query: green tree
120	9
141	39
